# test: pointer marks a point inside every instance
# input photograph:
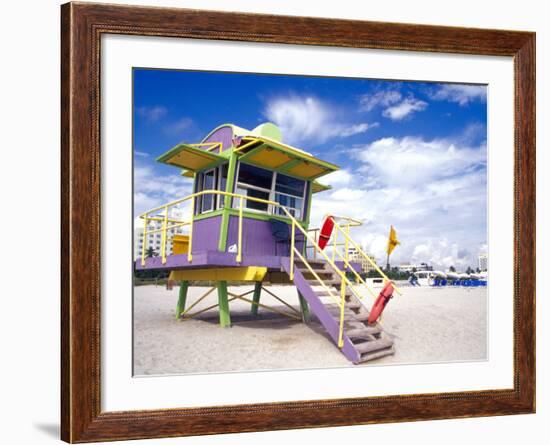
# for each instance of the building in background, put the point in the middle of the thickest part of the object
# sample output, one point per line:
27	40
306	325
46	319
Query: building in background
154	239
356	257
414	267
482	262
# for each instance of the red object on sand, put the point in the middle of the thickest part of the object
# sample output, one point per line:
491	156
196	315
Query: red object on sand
385	295
326	231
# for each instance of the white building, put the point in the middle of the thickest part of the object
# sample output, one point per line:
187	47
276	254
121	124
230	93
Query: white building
413	267
482	262
355	257
154	240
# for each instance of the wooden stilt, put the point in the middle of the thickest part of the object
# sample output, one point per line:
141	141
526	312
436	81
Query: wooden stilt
256	297
304	307
180	307
225	317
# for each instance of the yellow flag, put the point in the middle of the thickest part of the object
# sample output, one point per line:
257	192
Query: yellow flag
392	241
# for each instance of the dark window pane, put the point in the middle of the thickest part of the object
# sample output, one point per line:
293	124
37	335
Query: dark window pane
255	176
209	183
289	185
248	204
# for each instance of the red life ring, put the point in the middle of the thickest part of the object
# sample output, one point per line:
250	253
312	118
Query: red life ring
385	295
326	231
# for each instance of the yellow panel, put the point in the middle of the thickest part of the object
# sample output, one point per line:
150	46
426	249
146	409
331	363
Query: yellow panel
190	160
306	170
317	187
180	244
269	158
251	273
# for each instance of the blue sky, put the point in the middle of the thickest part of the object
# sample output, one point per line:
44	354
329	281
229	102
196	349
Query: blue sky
413	154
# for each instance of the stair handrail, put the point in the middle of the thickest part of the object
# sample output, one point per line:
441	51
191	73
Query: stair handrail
317	277
345	282
357	276
367	257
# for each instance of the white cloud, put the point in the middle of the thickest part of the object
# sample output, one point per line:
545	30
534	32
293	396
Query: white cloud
461	94
153	113
395	106
403	109
433	192
337	178
368	102
309	119
414	161
152	190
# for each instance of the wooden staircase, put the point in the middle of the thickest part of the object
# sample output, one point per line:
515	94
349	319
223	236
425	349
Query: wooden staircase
362	341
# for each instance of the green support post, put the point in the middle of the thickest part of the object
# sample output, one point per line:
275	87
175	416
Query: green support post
222	241
225	316
304	307
256	297
180	307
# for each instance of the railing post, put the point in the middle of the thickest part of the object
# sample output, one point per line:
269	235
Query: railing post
144	244
342	307
190	248
314	249
240	239
163	240
334	244
346	246
292	236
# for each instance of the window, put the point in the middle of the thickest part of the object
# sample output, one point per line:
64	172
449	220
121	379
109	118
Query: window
289	192
259	183
208	183
215	179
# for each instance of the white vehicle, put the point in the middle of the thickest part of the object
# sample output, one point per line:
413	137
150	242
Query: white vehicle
428	277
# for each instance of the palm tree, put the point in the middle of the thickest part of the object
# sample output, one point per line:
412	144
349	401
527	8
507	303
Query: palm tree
150	252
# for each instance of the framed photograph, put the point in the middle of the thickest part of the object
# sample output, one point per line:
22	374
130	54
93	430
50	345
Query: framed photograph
275	222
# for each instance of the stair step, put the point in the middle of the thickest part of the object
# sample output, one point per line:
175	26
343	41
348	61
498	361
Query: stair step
327	282
360	316
377	354
325	275
315	264
363	332
324	293
373	345
353	304
312	261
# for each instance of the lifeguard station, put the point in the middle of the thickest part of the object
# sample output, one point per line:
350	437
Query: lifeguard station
248	221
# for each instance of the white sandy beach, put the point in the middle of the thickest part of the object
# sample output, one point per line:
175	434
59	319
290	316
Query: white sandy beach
428	325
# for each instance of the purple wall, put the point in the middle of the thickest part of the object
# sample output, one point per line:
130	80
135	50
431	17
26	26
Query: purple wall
257	237
223	135
206	233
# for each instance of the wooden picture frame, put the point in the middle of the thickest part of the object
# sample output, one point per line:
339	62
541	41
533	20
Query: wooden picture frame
82	26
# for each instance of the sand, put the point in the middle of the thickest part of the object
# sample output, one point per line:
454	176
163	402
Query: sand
428	325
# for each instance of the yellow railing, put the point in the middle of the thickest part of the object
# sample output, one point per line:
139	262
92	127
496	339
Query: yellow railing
344	281
164	218
349	240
